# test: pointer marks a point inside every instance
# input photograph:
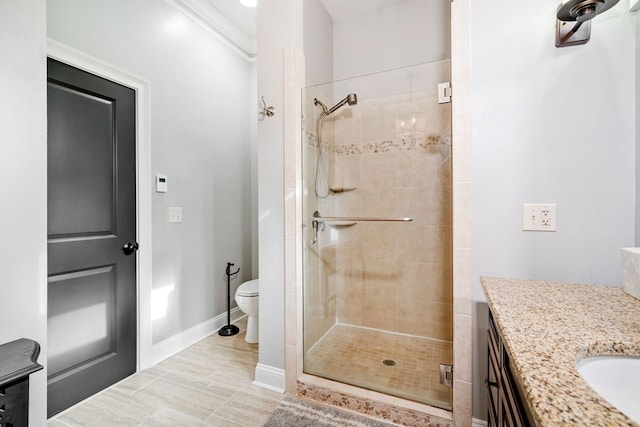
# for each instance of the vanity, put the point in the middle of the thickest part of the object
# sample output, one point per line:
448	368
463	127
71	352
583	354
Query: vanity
538	332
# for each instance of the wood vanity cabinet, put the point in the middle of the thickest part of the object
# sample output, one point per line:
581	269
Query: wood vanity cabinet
505	404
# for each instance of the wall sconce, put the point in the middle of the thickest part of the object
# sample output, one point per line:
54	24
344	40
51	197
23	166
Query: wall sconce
581	12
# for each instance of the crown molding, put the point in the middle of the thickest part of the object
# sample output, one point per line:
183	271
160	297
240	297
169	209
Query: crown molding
210	17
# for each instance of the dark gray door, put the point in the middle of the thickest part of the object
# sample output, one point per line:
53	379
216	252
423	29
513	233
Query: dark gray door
91	215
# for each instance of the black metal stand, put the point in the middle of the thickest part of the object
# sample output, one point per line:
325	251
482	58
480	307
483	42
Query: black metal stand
229	329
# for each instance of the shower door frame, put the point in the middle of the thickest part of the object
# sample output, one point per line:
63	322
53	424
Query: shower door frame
356	284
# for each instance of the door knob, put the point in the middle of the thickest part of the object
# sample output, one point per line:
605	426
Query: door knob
130	248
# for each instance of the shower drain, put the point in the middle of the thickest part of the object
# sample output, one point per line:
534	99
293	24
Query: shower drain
389	362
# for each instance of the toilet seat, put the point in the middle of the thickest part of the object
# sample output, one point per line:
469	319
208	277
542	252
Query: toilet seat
248	289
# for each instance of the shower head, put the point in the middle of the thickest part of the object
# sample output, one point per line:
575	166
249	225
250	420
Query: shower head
580	12
350	99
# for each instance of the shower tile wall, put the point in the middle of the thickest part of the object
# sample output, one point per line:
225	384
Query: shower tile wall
398	274
391	276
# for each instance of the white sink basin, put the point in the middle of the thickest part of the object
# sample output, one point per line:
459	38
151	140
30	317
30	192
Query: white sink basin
616	379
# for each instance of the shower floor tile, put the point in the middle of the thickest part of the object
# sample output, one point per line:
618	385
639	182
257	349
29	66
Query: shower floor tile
399	365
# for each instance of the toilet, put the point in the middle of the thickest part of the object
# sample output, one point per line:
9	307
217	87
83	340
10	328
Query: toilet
247	299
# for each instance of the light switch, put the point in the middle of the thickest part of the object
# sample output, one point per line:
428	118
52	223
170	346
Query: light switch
175	214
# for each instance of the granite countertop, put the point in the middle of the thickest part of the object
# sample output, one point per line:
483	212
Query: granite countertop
547	327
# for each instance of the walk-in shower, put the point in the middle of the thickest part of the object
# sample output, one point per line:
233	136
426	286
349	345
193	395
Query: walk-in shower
377	287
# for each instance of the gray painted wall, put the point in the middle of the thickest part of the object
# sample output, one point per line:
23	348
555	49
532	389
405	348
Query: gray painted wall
399	35
23	183
553	126
318	43
200	126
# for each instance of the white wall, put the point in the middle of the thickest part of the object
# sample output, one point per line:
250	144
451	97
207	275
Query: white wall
200	103
398	35
556	126
23	184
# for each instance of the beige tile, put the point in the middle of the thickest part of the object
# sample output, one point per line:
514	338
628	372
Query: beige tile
244	410
290	265
185	389
463	349
463	200
463	280
109	408
354	356
188	395
166	417
290	212
290	324
139	380
291	368
462	406
348	173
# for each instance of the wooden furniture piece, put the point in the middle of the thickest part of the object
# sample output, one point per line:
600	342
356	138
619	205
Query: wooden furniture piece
18	360
506	407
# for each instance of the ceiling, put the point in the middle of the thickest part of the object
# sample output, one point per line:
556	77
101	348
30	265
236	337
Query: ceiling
241	16
237	23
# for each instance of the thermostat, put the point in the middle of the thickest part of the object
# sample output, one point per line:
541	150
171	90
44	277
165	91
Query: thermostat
161	183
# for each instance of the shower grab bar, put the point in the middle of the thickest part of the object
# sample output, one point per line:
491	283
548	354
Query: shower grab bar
359	219
317	221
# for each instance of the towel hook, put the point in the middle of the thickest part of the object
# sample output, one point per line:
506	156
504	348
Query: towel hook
267	111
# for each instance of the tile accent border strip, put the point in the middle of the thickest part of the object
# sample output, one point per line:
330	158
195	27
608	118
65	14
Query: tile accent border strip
429	142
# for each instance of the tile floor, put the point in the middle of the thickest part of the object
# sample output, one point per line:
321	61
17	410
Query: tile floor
355	355
208	384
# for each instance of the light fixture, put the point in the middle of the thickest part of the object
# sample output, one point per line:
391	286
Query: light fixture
249	3
581	12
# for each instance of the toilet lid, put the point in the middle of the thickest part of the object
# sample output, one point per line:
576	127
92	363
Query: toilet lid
248	289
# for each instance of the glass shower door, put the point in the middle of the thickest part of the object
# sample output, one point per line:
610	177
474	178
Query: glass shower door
377	258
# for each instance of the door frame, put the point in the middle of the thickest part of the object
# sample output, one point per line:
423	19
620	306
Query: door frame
81	60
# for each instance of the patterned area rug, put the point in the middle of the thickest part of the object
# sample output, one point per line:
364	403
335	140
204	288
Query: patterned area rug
296	413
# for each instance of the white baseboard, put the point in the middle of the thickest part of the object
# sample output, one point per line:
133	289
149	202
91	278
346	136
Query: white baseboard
179	342
269	377
479	423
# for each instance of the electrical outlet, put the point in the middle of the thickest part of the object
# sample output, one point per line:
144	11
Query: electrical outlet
539	217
